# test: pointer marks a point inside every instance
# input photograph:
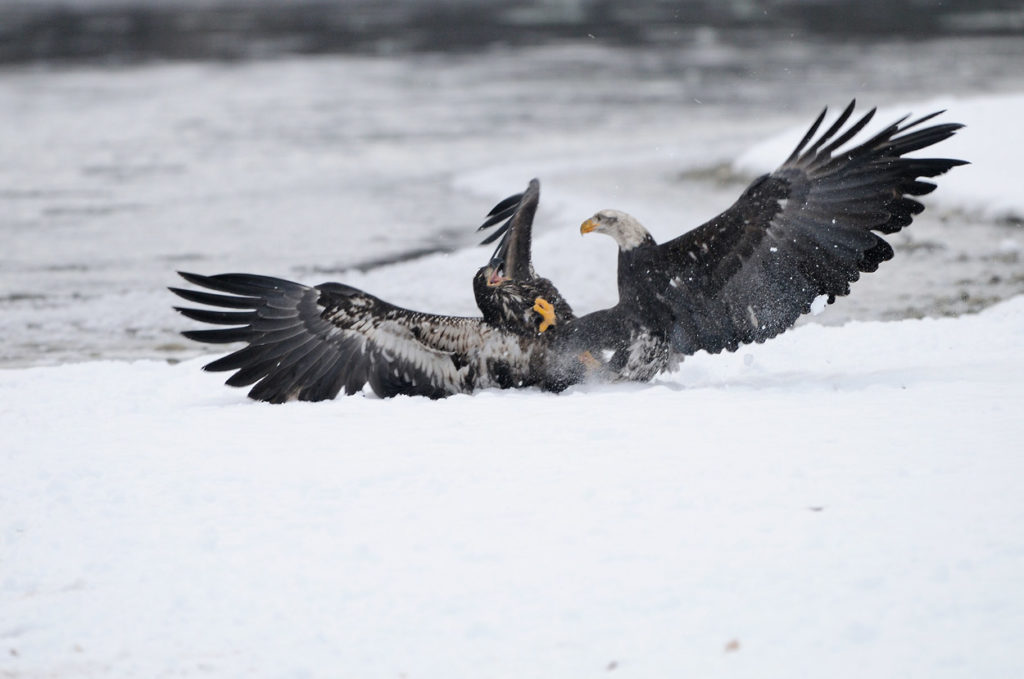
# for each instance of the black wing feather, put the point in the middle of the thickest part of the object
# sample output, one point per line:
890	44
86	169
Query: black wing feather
502	212
225	301
516	233
226	336
216	317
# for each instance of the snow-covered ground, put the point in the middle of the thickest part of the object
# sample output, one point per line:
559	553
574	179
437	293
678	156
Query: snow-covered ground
839	502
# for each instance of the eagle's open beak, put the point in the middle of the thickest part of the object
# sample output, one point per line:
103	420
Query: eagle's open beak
588	226
495	278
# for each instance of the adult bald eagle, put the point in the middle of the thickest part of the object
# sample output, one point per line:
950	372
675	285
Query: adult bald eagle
806	230
310	342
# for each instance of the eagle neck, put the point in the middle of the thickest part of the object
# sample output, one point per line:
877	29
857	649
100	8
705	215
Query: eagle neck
632	238
635	264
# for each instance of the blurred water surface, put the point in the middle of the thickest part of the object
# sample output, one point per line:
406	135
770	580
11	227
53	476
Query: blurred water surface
328	166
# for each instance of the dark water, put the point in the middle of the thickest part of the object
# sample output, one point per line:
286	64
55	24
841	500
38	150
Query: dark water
126	30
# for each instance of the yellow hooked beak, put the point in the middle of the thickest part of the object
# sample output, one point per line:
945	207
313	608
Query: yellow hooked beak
588	226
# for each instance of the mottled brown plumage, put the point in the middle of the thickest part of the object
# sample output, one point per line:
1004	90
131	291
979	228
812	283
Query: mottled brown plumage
509	288
311	342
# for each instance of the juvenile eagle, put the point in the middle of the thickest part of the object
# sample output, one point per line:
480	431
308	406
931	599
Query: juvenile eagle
805	230
518	298
309	343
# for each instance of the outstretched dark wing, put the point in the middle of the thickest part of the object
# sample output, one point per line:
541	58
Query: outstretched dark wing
309	343
516	233
805	230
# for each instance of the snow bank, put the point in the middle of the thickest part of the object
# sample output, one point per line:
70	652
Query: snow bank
990	186
839	502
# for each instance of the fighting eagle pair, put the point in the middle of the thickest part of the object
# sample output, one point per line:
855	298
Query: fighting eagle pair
806	230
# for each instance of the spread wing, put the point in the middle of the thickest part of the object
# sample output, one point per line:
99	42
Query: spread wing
805	230
516	232
309	343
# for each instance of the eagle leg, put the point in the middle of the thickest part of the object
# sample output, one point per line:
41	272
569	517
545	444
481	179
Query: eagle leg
546	311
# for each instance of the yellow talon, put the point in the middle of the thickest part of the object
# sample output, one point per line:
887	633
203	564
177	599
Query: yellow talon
546	311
